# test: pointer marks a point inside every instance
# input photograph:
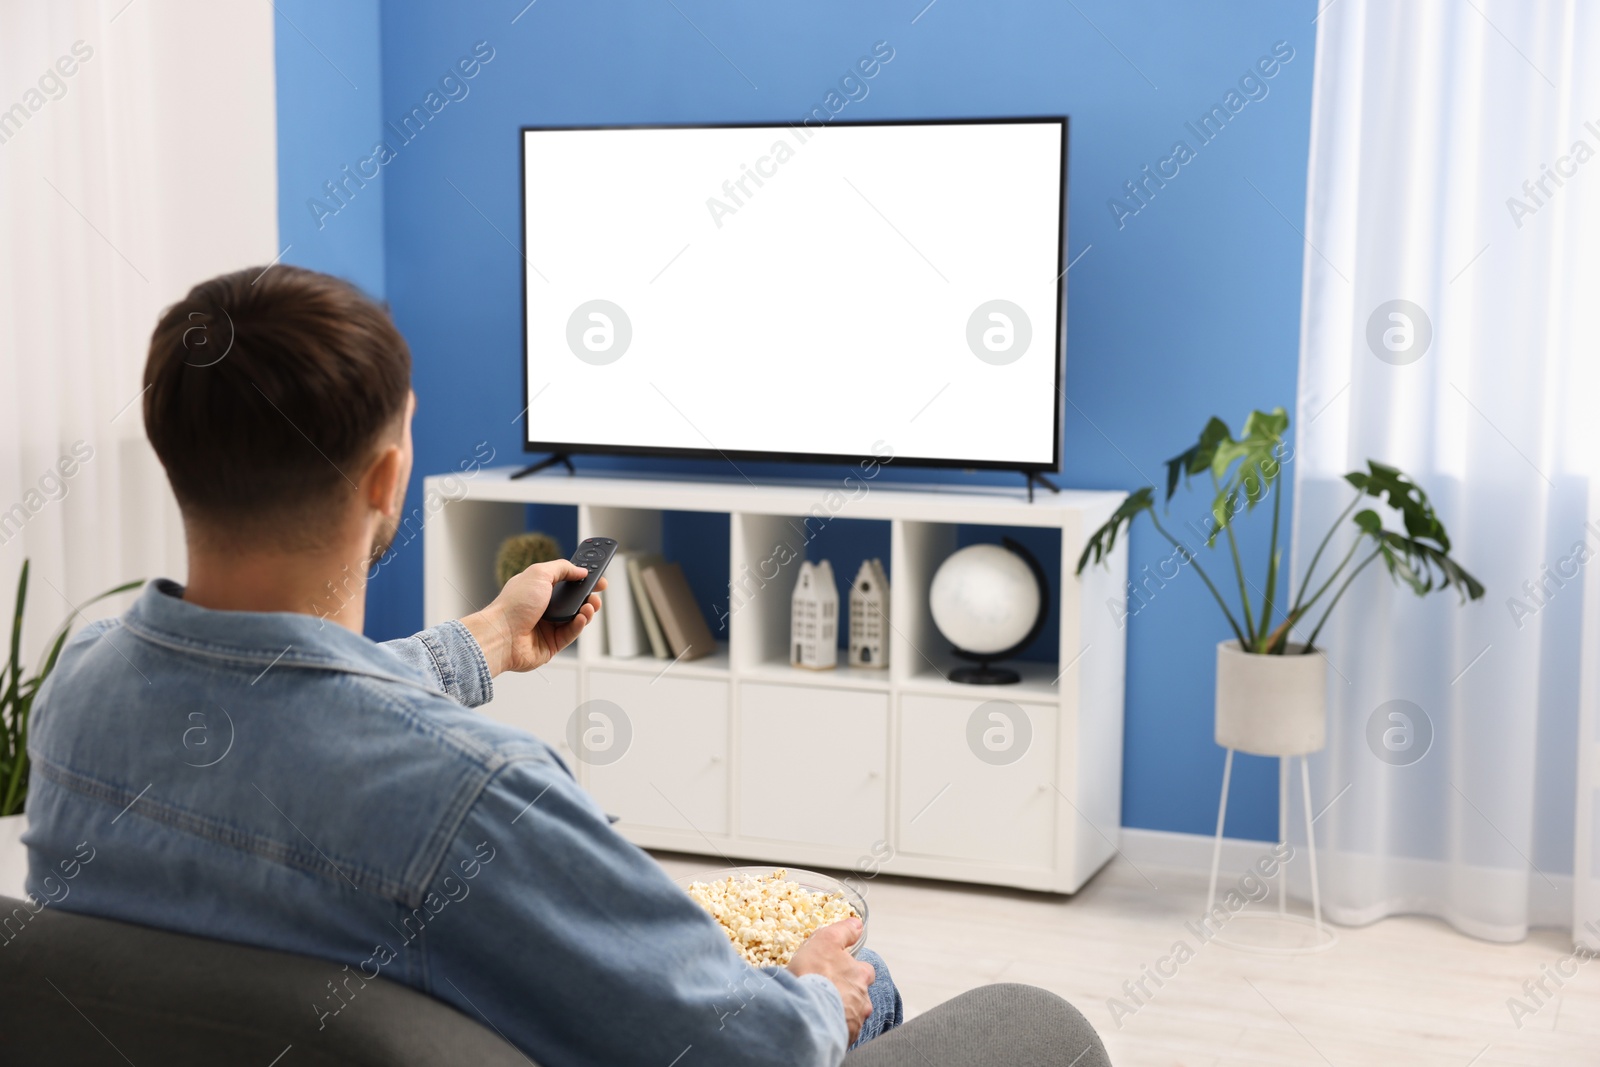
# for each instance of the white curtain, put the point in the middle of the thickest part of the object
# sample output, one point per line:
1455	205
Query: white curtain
1455	165
137	157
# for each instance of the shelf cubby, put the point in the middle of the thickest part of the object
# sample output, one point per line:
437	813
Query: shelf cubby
695	540
922	655
768	551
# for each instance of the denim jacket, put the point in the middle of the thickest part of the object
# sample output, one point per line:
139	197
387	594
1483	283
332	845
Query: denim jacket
270	779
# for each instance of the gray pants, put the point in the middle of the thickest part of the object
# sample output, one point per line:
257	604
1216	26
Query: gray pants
991	1026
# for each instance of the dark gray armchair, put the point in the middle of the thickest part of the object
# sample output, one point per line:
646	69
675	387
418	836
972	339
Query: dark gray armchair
81	991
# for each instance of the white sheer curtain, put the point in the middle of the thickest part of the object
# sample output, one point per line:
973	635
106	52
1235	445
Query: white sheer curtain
1455	164
137	156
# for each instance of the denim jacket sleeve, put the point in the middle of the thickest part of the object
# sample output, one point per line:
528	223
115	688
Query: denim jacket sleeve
449	656
577	945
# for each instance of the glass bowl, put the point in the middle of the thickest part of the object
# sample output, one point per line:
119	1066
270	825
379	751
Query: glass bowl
812	880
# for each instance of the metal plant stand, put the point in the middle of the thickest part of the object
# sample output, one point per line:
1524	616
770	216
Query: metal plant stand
1326	938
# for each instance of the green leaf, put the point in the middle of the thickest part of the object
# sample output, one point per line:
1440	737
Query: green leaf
1406	497
1104	539
15	663
1420	565
1400	566
1268	424
1420	557
1198	458
1246	468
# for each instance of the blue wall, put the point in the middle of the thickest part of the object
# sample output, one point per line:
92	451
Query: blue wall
1184	308
330	103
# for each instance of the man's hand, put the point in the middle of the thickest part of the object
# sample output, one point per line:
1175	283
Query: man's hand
826	953
509	630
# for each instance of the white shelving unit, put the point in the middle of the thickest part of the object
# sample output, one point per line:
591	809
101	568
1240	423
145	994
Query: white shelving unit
739	755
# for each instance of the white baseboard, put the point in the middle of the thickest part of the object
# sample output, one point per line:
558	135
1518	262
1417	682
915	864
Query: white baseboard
1189	852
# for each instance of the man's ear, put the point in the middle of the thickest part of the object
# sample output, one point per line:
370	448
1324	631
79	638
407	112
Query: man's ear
380	486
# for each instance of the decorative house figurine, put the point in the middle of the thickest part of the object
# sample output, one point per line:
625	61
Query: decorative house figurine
814	618
869	616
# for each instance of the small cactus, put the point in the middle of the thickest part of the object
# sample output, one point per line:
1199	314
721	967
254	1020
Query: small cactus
521	551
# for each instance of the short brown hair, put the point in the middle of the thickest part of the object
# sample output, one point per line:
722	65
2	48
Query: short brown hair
266	392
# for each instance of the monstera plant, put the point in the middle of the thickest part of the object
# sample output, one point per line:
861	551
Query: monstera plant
1243	472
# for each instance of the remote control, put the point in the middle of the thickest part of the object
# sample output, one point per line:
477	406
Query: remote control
569	597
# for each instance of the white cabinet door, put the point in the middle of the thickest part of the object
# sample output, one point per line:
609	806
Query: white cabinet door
976	779
540	702
811	765
661	755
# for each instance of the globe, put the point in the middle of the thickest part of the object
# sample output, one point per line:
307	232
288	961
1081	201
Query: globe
984	599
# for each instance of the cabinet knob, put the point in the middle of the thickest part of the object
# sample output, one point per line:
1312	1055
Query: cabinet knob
716	759
874	774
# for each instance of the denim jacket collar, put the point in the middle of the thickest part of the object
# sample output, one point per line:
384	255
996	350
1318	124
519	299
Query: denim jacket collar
260	638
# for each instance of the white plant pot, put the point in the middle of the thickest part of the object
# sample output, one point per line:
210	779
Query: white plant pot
13	856
1271	705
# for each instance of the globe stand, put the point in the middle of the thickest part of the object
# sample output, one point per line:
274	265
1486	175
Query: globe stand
986	673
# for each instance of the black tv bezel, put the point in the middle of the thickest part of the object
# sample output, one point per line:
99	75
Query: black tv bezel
756	456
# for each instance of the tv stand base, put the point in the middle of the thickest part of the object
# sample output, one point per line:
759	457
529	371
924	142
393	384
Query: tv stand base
549	461
1035	477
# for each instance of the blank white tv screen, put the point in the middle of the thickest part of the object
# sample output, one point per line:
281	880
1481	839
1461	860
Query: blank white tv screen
811	294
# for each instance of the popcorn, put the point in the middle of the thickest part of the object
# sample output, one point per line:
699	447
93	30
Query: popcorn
768	917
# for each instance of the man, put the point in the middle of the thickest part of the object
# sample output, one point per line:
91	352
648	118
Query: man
247	766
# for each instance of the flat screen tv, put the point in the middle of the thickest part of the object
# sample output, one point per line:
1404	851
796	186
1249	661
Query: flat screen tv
812	294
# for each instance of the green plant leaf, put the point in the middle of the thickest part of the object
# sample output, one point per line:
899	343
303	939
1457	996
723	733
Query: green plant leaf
15	663
1406	497
1421	557
1104	539
1422	565
1246	468
1197	459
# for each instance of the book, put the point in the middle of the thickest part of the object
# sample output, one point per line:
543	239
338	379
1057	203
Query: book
602	638
680	617
637	562
624	628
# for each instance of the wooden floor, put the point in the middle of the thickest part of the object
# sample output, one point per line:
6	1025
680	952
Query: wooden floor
1404	991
